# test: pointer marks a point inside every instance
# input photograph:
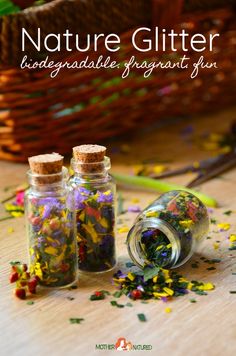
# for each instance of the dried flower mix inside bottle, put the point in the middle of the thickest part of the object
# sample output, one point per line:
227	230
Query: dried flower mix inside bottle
50	222
94	194
168	231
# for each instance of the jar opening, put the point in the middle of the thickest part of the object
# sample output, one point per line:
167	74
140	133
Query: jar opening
153	242
41	180
156	247
91	169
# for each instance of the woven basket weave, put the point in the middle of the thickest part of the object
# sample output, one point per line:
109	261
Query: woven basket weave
38	113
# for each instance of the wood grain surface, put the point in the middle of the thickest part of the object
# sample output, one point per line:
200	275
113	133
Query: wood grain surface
205	328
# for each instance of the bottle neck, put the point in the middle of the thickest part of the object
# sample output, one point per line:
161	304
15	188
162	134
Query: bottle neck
91	171
135	245
48	183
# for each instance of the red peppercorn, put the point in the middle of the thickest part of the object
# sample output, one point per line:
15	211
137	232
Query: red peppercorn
32	288
136	294
14	268
24	267
37	278
54	224
35	220
14	277
20	293
98	294
32	284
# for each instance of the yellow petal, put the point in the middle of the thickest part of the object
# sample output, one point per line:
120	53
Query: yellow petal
151	214
107	193
186	223
92	232
166	273
51	250
104	223
131	276
224	226
216	245
155	279
232	238
206	286
168	291
182	280
190	286
159	169
123	230
160	294
168	310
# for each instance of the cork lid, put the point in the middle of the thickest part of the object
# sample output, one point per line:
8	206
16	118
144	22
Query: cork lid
48	165
89	158
89	153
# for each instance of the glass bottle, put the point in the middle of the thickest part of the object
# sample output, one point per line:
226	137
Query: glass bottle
50	223
94	194
168	231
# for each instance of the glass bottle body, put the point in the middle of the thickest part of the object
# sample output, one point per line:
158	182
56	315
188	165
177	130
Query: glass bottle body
94	196
168	231
51	229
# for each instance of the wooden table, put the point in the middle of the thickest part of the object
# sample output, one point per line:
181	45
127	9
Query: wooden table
205	328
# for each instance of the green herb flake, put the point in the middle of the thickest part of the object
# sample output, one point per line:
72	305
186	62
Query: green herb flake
142	317
115	304
200	292
213	261
76	320
213	221
192	300
129	264
15	263
117	294
194	265
30	302
228	212
149	272
210	268
232	291
97	296
129	305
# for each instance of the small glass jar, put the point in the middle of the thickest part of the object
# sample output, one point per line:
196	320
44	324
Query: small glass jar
94	193
168	231
51	229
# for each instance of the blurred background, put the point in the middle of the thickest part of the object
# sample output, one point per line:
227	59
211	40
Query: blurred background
163	126
39	114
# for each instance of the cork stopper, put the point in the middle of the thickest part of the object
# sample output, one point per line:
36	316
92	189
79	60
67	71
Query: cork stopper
90	158
46	168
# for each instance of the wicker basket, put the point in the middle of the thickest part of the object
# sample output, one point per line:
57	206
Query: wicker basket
38	113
